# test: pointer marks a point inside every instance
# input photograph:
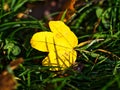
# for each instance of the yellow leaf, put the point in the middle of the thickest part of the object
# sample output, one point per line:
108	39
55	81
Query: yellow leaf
59	43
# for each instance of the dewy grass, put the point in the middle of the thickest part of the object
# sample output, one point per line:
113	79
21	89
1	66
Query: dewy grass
98	63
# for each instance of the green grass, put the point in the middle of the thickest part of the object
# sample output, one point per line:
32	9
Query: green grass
99	61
